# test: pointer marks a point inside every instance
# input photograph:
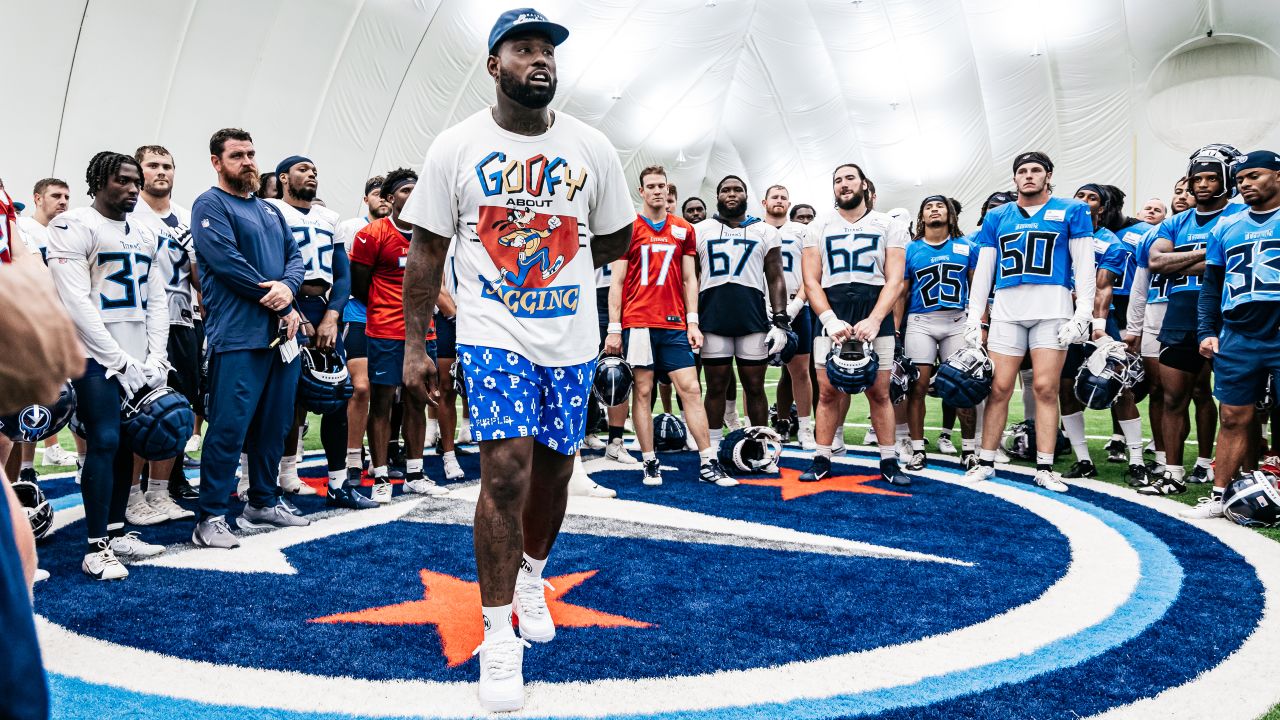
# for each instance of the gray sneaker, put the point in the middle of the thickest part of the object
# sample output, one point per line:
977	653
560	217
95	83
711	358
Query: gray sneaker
276	516
213	532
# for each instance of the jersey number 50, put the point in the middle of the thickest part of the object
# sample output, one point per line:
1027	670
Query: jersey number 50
1027	253
132	285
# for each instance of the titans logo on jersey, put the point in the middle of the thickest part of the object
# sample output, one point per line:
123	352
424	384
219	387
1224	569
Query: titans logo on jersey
1249	253
313	231
1158	292
1189	231
1035	249
1112	254
938	275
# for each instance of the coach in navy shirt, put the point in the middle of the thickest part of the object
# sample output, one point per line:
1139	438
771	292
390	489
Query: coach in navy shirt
250	269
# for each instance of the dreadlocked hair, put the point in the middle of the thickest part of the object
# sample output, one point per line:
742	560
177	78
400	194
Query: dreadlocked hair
953	221
394	178
104	166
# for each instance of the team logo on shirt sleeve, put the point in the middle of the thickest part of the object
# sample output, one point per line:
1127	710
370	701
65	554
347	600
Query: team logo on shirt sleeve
529	249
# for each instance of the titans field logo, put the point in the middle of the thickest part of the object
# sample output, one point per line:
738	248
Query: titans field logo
776	599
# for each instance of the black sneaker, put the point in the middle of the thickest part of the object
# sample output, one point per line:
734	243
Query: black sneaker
1081	469
1163	485
346	497
711	472
969	460
652	472
819	469
1117	451
918	461
1137	476
29	475
1200	475
896	477
181	489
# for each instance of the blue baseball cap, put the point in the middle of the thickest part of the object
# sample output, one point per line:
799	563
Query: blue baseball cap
525	20
1265	159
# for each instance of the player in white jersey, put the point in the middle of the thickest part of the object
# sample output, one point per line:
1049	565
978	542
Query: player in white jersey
49	200
794	385
1035	251
326	285
530	232
175	263
853	274
740	263
104	269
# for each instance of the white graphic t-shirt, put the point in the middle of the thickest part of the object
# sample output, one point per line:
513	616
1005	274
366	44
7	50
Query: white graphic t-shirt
521	211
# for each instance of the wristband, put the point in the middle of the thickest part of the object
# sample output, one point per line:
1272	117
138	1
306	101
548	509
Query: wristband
691	318
1100	324
782	320
614	329
826	317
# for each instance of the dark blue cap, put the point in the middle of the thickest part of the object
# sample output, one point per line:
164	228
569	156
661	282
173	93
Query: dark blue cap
19	207
290	161
1265	159
525	20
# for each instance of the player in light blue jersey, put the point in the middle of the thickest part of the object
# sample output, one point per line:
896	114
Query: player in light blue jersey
939	263
794	386
1178	252
1029	251
1113	260
1238	315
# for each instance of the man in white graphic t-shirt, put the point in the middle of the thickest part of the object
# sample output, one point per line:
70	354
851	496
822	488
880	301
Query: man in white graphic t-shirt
537	200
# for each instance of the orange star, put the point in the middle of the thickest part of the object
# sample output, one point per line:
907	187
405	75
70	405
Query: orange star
792	488
450	604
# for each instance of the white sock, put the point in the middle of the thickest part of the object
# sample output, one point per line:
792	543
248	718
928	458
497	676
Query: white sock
1119	438
497	622
1044	458
1177	471
157	485
1161	458
806	423
532	566
353	457
289	465
823	451
1073	426
705	455
647	456
27	465
968	445
888	452
1204	462
433	425
380	473
135	495
412	465
336	478
917	445
451	456
1132	430
901	432
987	455
80	458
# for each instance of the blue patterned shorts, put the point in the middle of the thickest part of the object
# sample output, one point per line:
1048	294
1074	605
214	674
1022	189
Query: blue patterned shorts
511	396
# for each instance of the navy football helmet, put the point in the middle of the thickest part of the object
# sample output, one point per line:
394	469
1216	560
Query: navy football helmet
852	366
964	379
612	382
1253	500
788	351
669	434
1020	443
1222	158
39	511
157	423
324	386
1268	399
1136	377
458	379
903	377
1103	376
34	423
750	450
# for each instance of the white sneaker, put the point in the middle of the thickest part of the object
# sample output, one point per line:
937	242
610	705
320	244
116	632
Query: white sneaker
1049	481
1206	508
945	446
103	565
617	452
452	470
530	606
381	491
139	512
131	546
464	434
870	437
731	419
193	444
160	501
592	442
805	436
1001	455
501	673
978	473
419	486
55	455
292	484
40	576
